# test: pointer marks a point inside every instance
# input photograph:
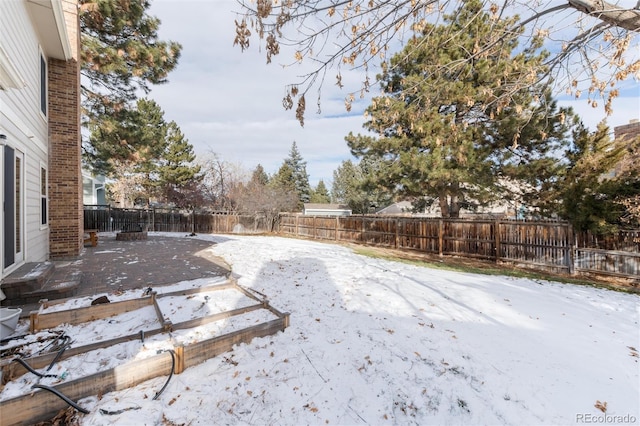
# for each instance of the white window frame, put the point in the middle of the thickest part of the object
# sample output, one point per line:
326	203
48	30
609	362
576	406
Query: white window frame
43	95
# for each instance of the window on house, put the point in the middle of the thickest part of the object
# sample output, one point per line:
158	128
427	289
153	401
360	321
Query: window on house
43	85
43	196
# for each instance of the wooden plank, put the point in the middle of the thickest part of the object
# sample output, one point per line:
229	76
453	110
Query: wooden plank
42	405
40	321
166	324
199	352
196	322
12	370
196	290
88	313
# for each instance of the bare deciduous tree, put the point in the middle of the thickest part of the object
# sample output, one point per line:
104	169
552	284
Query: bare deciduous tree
220	177
264	199
592	43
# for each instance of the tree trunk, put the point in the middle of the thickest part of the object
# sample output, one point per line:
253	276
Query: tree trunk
443	200
454	209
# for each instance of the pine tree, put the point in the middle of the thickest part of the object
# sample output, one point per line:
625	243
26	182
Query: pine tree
299	175
177	171
587	194
320	194
439	130
146	150
284	179
121	55
259	176
351	186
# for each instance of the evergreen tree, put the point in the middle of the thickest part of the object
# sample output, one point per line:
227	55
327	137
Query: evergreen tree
120	55
439	128
284	179
320	194
177	171
587	194
351	187
146	150
259	176
299	174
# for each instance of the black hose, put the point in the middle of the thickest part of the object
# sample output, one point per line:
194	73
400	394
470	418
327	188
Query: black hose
60	352
63	397
173	366
28	367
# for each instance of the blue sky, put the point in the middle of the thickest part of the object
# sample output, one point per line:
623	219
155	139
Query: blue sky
229	102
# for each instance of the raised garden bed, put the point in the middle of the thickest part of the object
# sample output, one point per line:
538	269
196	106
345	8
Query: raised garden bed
137	319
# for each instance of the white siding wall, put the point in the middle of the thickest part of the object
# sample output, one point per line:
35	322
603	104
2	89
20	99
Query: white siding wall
23	123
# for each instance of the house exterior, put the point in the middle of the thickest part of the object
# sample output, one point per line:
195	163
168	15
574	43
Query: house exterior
94	190
321	209
40	148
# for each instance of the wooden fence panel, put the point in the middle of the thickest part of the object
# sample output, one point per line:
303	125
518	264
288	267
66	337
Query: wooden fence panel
98	217
107	219
288	224
608	262
469	238
421	234
380	231
537	243
350	229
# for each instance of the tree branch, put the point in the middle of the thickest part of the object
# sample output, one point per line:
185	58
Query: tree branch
629	19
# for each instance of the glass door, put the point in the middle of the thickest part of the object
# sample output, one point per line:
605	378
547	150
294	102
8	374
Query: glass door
13	203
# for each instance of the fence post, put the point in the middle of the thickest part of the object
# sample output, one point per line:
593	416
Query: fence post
397	221
496	237
572	250
440	237
337	226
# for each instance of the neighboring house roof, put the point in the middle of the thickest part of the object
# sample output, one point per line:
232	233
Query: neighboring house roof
325	206
397	208
326	209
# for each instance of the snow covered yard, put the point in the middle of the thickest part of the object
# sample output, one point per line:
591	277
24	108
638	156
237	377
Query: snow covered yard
373	341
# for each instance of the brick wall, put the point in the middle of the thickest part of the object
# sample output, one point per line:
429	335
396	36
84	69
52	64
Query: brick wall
65	174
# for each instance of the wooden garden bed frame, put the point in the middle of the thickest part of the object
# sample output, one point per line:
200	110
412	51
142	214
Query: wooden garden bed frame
40	405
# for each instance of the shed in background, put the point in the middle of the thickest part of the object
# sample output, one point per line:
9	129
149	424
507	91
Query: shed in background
322	209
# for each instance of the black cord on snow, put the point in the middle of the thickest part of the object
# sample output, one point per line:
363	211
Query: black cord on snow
28	367
60	352
116	412
62	397
173	366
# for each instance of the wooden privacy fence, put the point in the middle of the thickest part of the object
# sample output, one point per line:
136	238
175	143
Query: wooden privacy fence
544	245
549	245
111	219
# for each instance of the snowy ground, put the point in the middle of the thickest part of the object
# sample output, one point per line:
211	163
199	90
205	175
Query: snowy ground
379	342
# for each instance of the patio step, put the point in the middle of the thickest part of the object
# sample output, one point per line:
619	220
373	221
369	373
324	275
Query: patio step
33	282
